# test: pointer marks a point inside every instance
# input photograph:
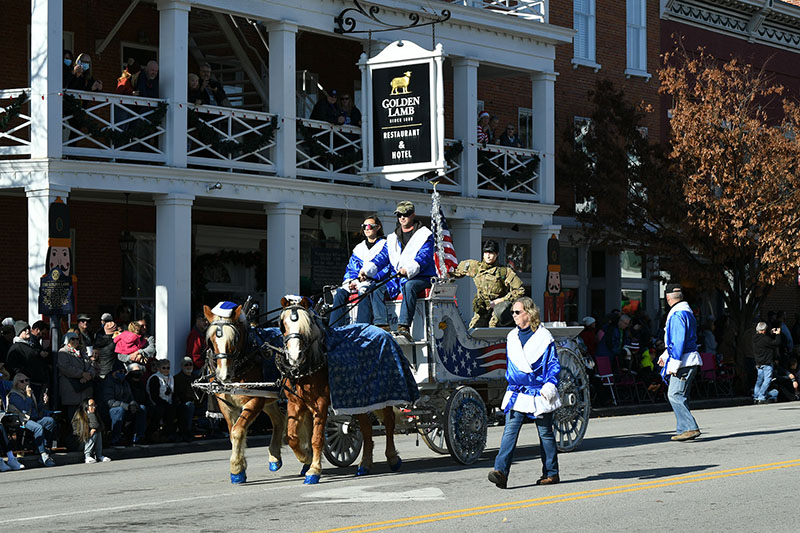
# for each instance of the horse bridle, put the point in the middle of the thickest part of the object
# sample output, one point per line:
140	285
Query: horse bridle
304	367
220	333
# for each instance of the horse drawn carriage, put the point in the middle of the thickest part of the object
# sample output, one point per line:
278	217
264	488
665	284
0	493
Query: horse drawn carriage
461	378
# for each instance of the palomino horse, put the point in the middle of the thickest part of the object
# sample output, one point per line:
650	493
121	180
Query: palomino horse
232	362
303	365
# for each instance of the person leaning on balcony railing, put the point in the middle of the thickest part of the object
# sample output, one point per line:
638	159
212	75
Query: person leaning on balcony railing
483	128
211	91
491	132
129	77
147	84
510	137
66	67
351	114
327	108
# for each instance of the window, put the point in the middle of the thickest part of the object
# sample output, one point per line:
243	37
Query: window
582	126
597	264
525	126
584	40
631	265
637	38
569	261
139	275
631	300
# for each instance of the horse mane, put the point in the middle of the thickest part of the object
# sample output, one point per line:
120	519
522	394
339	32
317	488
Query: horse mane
244	360
309	328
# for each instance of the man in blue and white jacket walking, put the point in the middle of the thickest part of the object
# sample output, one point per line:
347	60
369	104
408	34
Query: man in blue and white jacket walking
680	361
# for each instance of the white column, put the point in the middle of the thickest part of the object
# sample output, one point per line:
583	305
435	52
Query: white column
539	237
465	120
544	132
39	200
46	64
467	235
173	74
283	94
173	274
283	257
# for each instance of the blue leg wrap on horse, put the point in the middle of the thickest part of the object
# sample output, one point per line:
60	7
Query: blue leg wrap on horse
311	479
304	470
238	479
395	467
362	471
274	466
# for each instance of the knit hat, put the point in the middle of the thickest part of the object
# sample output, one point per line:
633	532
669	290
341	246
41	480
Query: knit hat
224	309
588	321
107	317
491	246
69	335
20	326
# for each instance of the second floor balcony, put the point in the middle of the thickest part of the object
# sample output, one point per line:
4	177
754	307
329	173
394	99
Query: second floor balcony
129	129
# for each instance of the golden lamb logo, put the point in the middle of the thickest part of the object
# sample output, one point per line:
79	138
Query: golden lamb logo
400	84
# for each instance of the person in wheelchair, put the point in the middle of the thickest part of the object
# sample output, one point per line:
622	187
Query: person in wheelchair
497	288
371	308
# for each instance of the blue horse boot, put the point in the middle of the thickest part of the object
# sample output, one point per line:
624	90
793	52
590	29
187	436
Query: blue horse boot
362	471
311	479
395	467
304	470
238	479
274	466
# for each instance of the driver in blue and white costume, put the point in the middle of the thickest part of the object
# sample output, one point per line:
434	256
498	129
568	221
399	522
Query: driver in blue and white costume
371	309
532	375
409	250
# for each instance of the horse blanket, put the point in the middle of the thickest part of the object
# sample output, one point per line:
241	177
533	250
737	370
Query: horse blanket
367	370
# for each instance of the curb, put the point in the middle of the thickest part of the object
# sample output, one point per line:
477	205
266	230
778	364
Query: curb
31	461
664	407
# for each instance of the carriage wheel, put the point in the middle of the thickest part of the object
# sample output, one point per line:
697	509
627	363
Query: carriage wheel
434	439
465	425
343	440
572	418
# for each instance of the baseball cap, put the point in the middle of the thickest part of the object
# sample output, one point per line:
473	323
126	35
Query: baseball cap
673	288
107	317
404	208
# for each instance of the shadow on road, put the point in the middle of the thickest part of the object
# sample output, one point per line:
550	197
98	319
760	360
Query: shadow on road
647	473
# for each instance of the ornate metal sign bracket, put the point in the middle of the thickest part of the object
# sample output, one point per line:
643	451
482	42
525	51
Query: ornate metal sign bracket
345	23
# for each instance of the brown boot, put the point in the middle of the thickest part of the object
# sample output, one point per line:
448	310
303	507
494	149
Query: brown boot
548	480
403	330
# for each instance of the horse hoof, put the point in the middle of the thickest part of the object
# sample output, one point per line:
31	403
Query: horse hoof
362	471
395	467
274	466
238	479
304	470
311	479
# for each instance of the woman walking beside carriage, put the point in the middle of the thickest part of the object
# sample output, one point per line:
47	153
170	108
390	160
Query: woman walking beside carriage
532	376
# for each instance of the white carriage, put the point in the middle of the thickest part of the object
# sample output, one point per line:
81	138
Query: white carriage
461	379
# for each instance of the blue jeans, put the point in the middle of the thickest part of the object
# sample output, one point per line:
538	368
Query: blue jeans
370	307
42	430
762	382
118	417
678	395
185	416
93	447
547	443
409	291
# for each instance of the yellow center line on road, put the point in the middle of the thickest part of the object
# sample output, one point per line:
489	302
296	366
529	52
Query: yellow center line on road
559	498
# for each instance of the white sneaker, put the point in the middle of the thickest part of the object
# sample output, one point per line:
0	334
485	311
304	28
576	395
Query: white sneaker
15	464
90	460
4	467
46	460
104	459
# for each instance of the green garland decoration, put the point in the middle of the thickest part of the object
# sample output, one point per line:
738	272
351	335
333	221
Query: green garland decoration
139	129
514	178
12	111
202	262
320	151
229	147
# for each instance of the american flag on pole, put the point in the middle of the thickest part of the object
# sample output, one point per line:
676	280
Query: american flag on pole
448	252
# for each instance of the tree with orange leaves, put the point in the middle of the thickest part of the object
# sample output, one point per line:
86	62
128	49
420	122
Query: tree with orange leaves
717	206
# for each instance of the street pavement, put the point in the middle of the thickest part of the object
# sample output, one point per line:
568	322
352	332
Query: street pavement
743	473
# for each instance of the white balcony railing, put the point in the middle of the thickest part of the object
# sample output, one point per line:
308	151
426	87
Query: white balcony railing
111	126
526	9
509	173
231	138
15	122
328	152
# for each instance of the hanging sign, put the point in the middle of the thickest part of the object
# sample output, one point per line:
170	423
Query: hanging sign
403	132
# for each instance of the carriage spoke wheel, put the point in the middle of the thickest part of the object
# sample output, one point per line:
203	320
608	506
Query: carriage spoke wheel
465	425
434	439
343	440
572	418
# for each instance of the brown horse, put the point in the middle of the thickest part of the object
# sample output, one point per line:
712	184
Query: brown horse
304	366
226	338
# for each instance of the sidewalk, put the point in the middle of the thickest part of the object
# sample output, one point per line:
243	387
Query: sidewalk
203	445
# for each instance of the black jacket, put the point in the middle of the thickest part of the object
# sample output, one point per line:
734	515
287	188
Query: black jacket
764	348
104	352
22	357
117	393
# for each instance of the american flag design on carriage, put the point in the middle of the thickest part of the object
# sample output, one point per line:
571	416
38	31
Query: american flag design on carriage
463	356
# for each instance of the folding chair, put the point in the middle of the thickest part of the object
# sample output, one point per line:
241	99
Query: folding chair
606	375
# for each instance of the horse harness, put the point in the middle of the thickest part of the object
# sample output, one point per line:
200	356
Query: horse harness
307	365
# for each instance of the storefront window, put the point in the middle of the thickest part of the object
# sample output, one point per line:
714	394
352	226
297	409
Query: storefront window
518	257
597	264
569	261
138	275
631	265
632	300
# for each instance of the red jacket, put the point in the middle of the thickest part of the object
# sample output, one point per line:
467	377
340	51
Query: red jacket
196	347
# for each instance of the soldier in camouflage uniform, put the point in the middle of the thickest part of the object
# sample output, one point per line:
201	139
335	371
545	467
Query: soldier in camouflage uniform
498	288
